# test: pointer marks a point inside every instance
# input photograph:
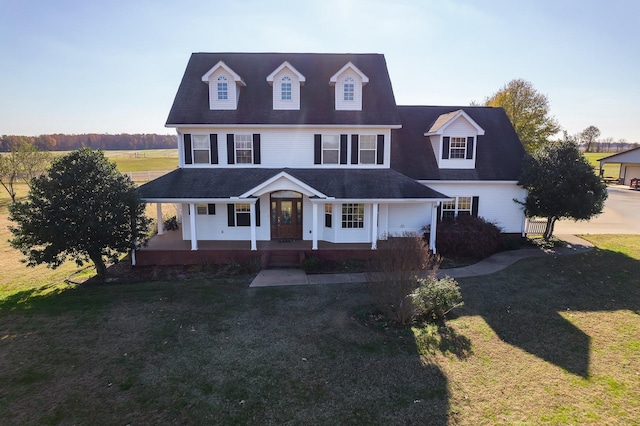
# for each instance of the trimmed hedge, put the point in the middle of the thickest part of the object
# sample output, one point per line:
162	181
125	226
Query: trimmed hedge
469	237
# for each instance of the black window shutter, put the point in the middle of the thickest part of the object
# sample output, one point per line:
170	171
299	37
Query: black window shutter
256	148
474	206
211	209
380	150
213	148
439	213
231	151
470	148
188	159
343	149
317	149
258	212
445	147
355	147
231	214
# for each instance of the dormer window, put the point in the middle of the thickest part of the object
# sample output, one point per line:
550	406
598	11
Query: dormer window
454	139
285	89
223	88
349	89
286	82
348	83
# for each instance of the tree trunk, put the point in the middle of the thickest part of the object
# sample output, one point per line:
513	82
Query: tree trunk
548	231
101	268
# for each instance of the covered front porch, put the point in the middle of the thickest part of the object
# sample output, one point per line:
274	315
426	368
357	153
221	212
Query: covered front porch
169	248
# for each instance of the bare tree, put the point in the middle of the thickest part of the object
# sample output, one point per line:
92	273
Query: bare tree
23	163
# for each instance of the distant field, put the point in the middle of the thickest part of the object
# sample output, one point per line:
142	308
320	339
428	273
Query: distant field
610	170
136	161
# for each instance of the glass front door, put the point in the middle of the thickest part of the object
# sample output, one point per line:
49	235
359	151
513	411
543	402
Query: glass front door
286	218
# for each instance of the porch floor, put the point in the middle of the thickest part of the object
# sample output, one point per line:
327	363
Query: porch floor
172	240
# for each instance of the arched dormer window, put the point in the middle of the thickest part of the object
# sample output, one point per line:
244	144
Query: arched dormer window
348	89
285	88
223	89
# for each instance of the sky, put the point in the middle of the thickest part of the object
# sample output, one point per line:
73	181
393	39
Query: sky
98	66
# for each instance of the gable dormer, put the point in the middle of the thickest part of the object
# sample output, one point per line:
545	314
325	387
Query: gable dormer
348	84
224	87
454	137
286	82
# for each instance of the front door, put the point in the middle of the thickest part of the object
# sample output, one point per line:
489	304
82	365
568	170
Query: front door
286	218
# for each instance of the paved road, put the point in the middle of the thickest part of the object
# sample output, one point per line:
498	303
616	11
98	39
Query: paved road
621	215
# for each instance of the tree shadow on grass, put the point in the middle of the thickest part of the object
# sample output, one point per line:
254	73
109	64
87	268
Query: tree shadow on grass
523	304
434	338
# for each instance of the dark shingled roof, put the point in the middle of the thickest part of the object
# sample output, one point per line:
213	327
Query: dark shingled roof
499	151
339	183
255	106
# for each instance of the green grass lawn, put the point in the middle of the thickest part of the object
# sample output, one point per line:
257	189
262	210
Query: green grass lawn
552	340
610	170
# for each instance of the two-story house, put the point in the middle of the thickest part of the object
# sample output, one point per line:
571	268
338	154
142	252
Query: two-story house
313	148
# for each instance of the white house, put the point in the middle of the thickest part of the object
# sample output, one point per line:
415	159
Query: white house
312	147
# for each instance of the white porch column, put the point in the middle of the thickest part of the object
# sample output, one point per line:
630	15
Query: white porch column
159	218
252	220
192	222
179	212
432	229
374	227
314	229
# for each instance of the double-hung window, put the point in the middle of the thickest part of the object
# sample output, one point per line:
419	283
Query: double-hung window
459	206
458	147
353	215
223	88
328	215
285	89
200	148
330	149
243	214
348	89
244	149
367	149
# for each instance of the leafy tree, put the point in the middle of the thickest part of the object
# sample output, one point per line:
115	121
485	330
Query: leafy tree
589	136
23	163
528	112
83	209
561	183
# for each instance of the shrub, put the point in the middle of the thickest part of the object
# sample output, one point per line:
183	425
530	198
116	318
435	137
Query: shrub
468	237
171	224
392	274
434	297
312	265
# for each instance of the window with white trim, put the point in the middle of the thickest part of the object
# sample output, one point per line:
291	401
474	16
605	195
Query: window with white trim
223	88
330	149
348	89
459	206
285	89
367	147
458	147
209	209
243	214
328	215
244	149
200	148
353	215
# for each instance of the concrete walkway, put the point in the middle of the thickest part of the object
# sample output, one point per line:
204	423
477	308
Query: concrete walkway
490	265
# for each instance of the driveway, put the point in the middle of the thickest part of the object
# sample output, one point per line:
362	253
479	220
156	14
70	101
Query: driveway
620	215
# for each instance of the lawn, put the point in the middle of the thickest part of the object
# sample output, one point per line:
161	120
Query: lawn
552	340
611	170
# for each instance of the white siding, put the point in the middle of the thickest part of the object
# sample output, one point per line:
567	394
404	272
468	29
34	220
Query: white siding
289	147
495	201
408	218
356	103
